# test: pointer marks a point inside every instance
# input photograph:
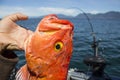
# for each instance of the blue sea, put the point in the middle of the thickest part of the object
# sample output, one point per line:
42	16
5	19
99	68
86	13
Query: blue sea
106	30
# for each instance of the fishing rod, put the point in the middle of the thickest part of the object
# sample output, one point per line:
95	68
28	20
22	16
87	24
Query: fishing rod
94	45
96	62
95	42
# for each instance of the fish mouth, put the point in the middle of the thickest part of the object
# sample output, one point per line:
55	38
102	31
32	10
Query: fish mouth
53	23
54	19
62	22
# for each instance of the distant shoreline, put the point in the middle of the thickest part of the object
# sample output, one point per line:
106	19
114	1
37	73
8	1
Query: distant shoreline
107	15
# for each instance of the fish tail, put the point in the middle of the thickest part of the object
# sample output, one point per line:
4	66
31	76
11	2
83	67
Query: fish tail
22	74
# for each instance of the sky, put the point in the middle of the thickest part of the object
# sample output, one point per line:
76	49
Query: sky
35	8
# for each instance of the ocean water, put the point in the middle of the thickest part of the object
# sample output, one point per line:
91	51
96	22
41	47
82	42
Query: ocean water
107	31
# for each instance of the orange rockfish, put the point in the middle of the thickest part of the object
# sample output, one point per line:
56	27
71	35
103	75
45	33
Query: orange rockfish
48	50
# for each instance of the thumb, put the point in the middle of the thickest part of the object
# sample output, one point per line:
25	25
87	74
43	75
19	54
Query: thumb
16	17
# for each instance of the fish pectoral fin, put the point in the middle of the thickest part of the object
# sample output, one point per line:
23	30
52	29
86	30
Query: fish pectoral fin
23	73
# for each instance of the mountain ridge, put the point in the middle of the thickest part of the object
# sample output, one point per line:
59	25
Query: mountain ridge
107	15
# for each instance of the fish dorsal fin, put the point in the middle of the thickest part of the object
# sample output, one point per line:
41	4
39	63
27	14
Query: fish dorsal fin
23	73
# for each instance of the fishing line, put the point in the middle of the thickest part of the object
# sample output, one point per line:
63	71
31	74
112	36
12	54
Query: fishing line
88	19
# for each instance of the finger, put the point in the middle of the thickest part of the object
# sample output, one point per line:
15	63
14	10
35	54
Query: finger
16	17
13	47
9	46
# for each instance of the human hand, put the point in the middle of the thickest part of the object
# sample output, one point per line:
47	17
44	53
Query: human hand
12	35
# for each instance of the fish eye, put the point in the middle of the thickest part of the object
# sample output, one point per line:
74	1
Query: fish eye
58	46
